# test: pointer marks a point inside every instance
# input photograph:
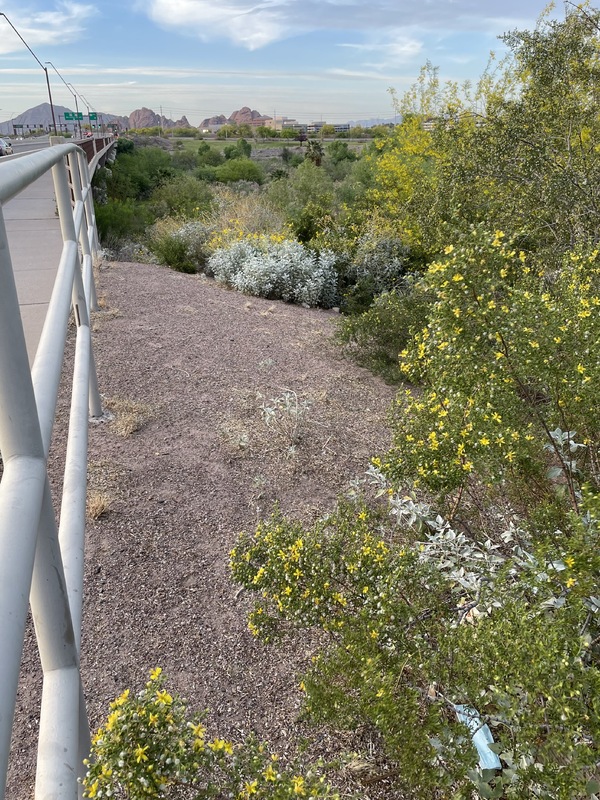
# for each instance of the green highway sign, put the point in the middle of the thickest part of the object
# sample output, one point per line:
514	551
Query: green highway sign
93	115
69	115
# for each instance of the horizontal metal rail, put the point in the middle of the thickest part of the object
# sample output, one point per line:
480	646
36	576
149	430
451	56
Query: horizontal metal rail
39	563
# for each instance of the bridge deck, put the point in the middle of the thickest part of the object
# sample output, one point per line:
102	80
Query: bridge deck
35	241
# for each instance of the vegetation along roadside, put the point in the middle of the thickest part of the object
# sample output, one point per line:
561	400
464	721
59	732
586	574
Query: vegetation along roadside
455	593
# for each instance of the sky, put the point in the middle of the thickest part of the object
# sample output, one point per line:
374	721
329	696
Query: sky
329	60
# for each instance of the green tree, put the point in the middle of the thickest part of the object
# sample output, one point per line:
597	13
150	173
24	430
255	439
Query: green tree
339	151
326	130
239	169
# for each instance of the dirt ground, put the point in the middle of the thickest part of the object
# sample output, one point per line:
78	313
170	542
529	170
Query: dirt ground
189	370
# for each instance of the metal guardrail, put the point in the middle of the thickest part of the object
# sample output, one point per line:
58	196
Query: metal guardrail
39	562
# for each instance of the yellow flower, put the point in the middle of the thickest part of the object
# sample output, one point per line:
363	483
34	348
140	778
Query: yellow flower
570	582
155	674
221	744
140	753
121	700
198	730
112	720
164	698
269	774
569	561
298	785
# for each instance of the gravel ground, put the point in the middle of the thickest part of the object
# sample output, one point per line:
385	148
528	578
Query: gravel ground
185	465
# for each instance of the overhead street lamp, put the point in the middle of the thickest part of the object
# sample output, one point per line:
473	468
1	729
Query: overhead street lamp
41	65
76	106
68	85
88	106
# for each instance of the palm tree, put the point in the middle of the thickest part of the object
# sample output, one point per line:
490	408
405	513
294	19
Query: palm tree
314	152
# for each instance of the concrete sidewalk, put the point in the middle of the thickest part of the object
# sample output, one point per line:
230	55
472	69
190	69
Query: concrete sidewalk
35	242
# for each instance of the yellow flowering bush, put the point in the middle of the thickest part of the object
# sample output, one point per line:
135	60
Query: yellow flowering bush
151	747
422	620
508	358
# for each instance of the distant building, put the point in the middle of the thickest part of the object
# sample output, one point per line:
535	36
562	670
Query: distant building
315	127
284	123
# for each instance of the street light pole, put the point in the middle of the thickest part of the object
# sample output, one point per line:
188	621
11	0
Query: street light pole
69	87
87	105
76	108
41	65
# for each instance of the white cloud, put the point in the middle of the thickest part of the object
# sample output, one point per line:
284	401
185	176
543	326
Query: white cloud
392	50
255	23
249	24
64	24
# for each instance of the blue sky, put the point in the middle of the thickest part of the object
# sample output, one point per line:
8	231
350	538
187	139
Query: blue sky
308	59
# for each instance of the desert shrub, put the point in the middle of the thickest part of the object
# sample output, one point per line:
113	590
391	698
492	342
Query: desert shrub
338	151
378	265
508	370
422	622
152	746
282	270
184	160
239	169
121	219
375	337
208	156
206	173
242	149
235	215
134	175
183	246
183	196
308	188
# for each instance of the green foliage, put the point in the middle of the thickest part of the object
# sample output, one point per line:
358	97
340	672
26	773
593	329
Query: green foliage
184	160
423	618
506	359
315	152
239	169
208	156
135	174
121	219
151	746
374	337
184	196
306	199
181	245
124	145
339	151
263	132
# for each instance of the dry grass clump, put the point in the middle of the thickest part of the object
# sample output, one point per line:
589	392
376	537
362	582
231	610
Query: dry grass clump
129	415
97	504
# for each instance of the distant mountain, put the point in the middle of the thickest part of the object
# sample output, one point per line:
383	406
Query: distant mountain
371	123
41	116
146	118
243	116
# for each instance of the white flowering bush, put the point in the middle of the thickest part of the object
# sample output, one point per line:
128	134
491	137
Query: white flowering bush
183	246
278	270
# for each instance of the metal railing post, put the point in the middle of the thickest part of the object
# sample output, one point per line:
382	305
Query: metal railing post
21	492
37	560
63	202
